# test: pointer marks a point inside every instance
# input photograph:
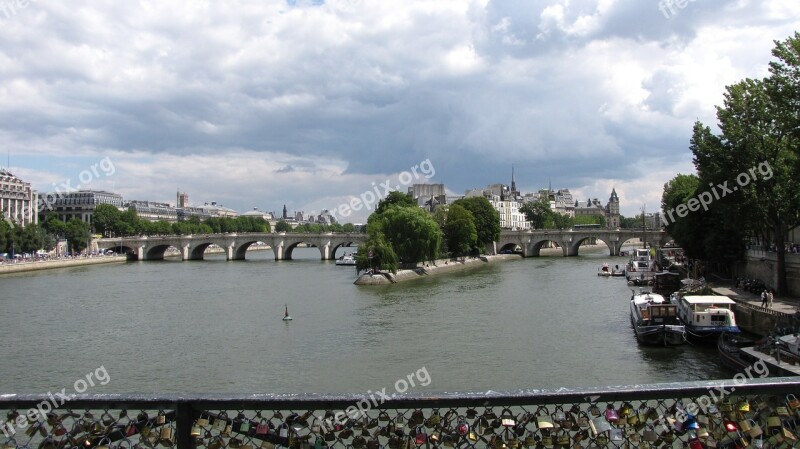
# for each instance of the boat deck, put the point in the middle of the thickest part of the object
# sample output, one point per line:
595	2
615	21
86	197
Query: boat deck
770	360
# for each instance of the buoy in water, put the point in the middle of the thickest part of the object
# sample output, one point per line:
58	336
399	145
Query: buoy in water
286	316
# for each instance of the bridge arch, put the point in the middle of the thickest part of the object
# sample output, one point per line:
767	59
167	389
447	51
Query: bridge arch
335	247
535	247
288	249
613	247
157	252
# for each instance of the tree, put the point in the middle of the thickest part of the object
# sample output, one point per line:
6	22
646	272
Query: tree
683	229
537	212
104	218
283	226
77	234
395	198
383	256
348	227
487	219
750	168
411	232
459	231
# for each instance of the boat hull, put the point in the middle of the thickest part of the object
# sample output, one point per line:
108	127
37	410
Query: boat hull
656	334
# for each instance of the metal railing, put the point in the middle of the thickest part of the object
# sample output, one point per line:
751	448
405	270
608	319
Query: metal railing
759	413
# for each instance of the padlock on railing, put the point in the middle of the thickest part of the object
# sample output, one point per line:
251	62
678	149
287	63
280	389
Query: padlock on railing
599	426
543	418
611	414
507	418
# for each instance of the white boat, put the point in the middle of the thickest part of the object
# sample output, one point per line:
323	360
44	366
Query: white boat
347	259
706	316
656	321
607	271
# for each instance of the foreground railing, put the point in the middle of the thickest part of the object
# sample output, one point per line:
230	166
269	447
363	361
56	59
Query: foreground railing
760	413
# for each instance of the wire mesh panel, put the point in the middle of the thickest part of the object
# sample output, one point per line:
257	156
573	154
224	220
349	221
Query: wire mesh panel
759	414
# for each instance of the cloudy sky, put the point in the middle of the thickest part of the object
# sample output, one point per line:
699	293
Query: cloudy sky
260	103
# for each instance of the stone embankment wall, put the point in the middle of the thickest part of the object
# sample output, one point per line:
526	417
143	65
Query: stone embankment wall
440	267
51	264
761	265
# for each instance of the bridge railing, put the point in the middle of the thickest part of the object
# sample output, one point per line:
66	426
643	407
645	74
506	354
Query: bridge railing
758	413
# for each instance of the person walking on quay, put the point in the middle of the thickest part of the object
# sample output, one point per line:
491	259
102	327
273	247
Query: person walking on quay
770	297
764	298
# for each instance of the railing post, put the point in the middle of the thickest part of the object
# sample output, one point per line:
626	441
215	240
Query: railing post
183	424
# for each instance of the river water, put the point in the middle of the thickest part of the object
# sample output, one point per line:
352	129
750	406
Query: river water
215	327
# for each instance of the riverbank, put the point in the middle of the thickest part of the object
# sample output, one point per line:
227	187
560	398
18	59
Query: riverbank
441	266
61	263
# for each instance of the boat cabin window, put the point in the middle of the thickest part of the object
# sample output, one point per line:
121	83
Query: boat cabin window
663	311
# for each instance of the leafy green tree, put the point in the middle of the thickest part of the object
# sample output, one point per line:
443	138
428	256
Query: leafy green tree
383	256
684	227
348	227
561	221
283	226
537	213
487	219
459	231
411	232
395	198
54	226
104	218
77	235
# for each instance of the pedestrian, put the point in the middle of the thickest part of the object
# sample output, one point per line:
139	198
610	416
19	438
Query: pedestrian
764	298
770	297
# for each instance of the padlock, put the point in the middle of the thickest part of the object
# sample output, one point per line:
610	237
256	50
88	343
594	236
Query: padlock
471	413
266	445
774	422
434	419
645	445
755	429
235	443
792	401
726	406
166	436
702	433
616	435
507	418
102	444
417	418
383	416
220	421
695	443
782	411
743	405
650	434
481	425
543	419
626	410
359	442
594	410
196	431
583	420
611	414
400	418
447	441
530	440
634	436
562	439
559	416
262	428
462	428
599	425
489	414
436	436
283	430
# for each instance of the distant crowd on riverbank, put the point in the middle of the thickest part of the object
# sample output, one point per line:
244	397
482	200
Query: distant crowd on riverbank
39	258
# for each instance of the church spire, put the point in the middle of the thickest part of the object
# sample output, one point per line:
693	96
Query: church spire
513	182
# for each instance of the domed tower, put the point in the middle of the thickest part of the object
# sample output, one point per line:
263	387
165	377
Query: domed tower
612	210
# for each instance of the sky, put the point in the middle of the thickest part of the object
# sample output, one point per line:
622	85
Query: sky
261	103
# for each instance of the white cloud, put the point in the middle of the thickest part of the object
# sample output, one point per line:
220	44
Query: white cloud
265	103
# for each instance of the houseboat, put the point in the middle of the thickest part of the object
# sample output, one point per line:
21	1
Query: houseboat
656	321
706	316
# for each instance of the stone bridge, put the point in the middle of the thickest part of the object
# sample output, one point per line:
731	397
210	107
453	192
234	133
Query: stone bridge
569	240
235	245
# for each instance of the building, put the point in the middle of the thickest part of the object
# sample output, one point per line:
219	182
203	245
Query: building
80	204
18	201
183	200
506	201
428	196
255	213
593	207
152	211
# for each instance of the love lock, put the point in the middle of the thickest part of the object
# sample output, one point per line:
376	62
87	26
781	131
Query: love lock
599	425
507	418
611	414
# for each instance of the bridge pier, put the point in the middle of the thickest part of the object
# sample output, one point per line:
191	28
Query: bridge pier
325	251
185	252
279	250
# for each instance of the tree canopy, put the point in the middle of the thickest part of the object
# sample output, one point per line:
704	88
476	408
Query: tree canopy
486	217
748	179
459	231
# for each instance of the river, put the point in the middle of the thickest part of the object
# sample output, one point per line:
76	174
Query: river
215	327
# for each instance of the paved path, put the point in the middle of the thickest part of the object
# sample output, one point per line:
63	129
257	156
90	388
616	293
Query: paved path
784	304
